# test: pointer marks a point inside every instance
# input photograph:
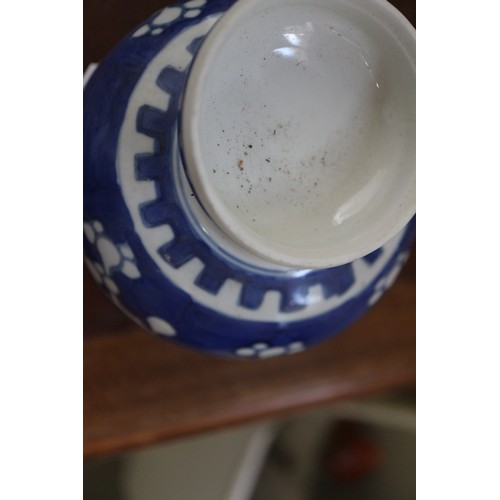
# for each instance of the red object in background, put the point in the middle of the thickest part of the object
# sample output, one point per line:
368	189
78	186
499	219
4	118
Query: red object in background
351	454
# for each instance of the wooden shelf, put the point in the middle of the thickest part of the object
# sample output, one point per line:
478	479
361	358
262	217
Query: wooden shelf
139	390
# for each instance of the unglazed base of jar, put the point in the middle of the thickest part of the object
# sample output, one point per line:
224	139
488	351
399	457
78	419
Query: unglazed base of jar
298	128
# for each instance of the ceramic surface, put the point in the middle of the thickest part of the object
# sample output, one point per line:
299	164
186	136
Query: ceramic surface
150	243
307	105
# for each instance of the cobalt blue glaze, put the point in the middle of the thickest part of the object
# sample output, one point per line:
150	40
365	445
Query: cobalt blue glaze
156	257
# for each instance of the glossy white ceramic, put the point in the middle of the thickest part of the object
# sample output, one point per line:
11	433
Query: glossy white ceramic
298	128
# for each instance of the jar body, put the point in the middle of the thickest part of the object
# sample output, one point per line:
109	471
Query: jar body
150	245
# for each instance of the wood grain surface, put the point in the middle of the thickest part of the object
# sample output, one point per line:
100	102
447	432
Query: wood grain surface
139	390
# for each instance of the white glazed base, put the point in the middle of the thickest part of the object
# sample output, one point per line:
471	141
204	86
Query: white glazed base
299	128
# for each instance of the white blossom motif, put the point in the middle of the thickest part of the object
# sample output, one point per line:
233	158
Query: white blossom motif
99	275
168	15
262	350
161	326
384	283
114	257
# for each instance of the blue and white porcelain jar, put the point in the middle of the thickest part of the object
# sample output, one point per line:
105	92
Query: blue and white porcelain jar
249	182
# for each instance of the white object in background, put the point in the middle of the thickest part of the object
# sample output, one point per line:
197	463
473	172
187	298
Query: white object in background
217	466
